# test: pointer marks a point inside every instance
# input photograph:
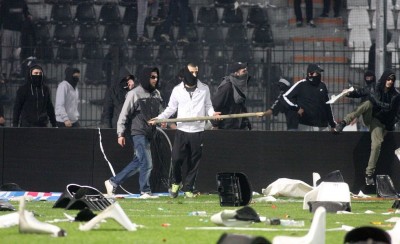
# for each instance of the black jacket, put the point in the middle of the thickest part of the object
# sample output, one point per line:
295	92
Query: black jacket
33	106
312	98
386	103
114	100
224	102
279	106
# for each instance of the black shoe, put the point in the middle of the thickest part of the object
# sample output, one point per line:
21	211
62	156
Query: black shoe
369	180
339	127
156	20
311	23
299	23
324	15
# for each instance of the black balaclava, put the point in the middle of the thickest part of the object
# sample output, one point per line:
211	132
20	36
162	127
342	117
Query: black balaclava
370	73
144	78
188	78
69	72
314	80
35	80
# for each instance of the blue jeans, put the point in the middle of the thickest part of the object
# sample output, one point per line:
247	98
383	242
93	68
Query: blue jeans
142	163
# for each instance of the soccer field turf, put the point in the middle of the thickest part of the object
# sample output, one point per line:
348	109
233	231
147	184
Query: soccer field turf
166	220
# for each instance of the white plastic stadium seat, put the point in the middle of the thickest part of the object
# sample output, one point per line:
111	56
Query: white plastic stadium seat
389	20
328	191
359	38
316	234
358	17
357	4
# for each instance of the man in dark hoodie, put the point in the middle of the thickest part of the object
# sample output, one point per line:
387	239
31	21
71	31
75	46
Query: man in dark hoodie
191	98
141	104
380	115
67	99
308	98
115	98
33	106
230	98
363	92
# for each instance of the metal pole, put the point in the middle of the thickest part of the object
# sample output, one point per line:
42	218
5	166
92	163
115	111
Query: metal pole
380	39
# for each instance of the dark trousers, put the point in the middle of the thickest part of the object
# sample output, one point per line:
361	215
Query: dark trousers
309	10
188	147
174	6
61	124
336	6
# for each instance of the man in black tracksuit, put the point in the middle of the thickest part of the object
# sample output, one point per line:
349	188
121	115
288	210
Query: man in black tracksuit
230	98
380	114
308	97
33	106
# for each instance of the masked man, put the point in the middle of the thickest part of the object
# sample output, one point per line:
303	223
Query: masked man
308	98
33	106
67	99
230	98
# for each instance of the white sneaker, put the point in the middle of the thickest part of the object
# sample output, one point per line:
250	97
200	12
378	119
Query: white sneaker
165	38
110	188
147	195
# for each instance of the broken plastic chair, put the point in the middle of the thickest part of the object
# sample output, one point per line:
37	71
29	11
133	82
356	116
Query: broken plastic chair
315	235
315	178
241	217
385	187
29	224
397	153
395	233
9	220
328	192
115	212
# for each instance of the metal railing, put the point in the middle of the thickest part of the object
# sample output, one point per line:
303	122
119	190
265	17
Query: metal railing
266	66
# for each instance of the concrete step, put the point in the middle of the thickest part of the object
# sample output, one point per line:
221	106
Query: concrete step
320	59
322	22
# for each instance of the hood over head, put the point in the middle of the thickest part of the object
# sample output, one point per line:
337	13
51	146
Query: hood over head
387	74
144	78
69	76
124	82
34	80
369	77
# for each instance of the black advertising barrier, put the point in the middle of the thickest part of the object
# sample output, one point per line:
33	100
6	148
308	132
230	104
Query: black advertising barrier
48	159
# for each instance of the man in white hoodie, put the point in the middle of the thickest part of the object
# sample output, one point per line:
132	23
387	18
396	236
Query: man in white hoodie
191	98
67	99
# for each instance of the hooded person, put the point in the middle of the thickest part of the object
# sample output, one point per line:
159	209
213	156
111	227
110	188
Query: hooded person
379	114
67	99
308	98
115	98
33	106
141	104
230	98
